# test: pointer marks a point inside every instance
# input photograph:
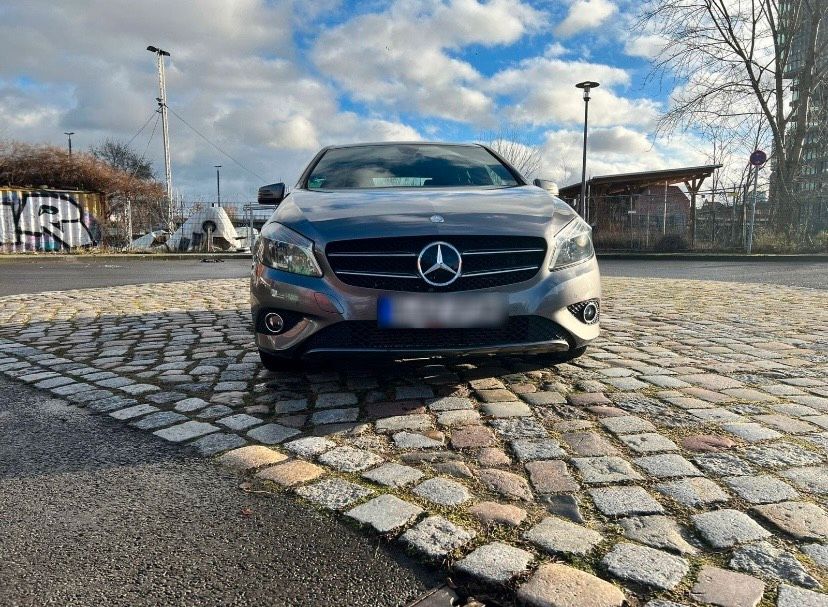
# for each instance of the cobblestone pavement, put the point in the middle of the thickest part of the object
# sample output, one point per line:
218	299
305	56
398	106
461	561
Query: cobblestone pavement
682	461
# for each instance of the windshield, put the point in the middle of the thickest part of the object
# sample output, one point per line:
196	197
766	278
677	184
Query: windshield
409	166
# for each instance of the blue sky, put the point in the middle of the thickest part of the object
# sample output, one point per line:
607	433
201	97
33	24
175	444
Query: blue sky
271	81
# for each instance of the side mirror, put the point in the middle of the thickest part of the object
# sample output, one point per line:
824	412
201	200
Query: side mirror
545	184
272	194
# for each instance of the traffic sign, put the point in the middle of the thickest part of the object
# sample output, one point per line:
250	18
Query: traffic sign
758	158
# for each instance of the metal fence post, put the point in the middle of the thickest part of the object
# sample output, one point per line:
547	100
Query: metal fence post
752	210
129	220
250	239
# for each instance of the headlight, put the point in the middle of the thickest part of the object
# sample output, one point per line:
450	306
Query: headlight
284	249
573	244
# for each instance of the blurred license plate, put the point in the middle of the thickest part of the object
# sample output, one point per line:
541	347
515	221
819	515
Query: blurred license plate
442	311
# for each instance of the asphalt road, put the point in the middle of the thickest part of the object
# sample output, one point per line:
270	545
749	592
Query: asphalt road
94	513
37	274
789	273
34	275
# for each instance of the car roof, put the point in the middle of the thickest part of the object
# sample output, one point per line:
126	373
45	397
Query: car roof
382	143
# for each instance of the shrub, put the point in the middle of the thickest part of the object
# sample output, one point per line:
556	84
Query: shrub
671	243
34	166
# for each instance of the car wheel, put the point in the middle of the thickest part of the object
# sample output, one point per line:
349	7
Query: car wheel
275	363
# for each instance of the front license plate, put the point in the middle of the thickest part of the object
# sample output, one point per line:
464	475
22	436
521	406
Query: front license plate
442	311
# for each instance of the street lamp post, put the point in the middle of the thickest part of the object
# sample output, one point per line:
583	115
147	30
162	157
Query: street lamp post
162	104
69	135
218	183
586	86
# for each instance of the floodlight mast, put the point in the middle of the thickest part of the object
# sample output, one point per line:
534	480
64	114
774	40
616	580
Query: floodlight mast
218	183
165	132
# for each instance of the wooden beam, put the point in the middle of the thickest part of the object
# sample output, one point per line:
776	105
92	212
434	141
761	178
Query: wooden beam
691	228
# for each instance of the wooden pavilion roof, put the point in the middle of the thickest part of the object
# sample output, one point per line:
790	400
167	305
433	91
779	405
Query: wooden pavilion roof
624	183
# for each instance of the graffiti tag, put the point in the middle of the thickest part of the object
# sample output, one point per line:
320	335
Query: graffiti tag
44	221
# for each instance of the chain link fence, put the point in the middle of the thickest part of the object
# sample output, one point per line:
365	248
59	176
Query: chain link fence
660	220
229	226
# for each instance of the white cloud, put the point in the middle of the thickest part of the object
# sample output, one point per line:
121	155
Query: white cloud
21	113
235	74
613	150
402	57
541	91
646	46
619	140
585	15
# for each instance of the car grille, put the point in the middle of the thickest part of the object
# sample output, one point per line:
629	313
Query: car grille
365	335
391	263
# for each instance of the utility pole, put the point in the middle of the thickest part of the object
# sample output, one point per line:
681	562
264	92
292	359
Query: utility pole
69	135
162	105
218	183
586	86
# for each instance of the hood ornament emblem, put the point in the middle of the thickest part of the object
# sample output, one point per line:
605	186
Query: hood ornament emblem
437	219
439	263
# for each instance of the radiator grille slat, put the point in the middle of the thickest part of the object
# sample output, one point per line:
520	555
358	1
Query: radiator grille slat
391	263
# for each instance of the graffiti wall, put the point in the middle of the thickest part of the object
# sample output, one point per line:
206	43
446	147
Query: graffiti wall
48	220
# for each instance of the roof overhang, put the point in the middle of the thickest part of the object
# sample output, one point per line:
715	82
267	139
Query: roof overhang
630	182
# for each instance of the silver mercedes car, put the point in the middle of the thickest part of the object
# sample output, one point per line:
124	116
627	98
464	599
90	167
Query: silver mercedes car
420	249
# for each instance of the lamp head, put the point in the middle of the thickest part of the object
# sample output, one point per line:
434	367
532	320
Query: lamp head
587	85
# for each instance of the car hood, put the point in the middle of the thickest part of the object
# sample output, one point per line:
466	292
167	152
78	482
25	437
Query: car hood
325	216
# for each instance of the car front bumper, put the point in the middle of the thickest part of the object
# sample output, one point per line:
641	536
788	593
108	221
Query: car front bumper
325	316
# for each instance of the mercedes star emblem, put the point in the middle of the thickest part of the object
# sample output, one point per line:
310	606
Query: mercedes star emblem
439	263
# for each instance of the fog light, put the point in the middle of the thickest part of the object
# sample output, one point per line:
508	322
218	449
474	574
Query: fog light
273	322
590	313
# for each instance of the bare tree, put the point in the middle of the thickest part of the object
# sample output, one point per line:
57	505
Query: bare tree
565	170
737	58
121	156
510	142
